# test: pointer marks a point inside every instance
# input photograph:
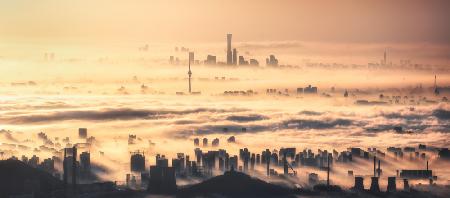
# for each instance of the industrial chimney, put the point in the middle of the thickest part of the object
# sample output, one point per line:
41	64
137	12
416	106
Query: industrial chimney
392	186
374	186
359	184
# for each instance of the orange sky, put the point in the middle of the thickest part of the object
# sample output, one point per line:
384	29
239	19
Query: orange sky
405	21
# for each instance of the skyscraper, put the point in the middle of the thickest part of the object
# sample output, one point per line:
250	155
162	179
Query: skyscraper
234	56
229	52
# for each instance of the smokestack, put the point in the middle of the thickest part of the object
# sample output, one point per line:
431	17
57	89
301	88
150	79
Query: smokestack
392	186
427	164
189	72
359	184
379	168
374	186
374	166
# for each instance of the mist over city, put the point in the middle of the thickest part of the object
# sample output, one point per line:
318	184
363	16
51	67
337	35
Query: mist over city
224	99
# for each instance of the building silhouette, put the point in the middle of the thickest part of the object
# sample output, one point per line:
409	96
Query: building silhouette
210	60
235	56
162	180
229	52
272	61
137	162
82	133
85	164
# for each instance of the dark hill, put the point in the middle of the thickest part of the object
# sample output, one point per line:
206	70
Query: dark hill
18	178
234	184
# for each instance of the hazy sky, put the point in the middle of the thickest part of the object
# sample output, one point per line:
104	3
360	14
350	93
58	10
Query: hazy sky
381	21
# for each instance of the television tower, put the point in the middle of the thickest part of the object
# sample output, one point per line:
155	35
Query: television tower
436	90
189	72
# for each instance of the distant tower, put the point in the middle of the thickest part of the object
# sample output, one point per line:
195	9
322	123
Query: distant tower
234	56
191	54
229	52
436	90
385	57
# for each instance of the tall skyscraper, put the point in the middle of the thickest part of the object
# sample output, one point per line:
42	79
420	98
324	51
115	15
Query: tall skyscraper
234	56
229	52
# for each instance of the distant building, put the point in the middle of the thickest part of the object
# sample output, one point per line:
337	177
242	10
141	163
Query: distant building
310	90
215	142
137	162
234	162
229	52
313	179
162	161
162	180
289	152
70	165
48	165
444	153
254	62
85	164
242	61
231	139
210	60
271	61
82	133
235	56
196	142
191	57
205	141
416	174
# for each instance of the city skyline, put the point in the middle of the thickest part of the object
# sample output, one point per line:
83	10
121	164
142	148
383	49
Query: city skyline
210	98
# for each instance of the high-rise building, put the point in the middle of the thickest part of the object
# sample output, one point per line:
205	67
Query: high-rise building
85	164
229	52
137	162
70	165
82	133
234	56
162	180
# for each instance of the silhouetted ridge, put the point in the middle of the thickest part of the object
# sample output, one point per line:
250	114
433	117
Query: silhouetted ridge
18	178
235	184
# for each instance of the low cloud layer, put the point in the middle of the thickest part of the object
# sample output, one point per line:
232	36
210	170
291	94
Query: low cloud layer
442	114
105	114
246	118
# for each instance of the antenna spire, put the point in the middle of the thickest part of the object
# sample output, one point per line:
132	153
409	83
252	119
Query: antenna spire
189	72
